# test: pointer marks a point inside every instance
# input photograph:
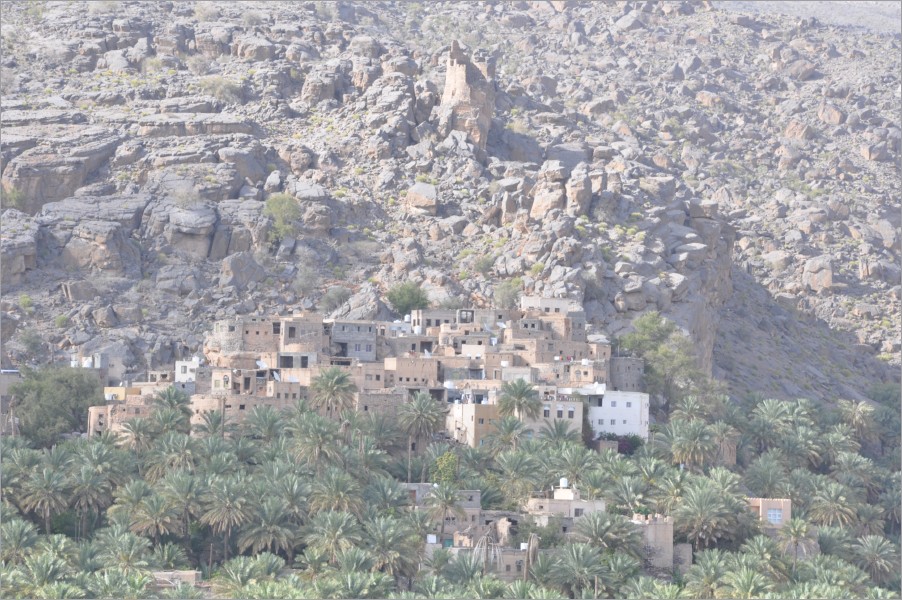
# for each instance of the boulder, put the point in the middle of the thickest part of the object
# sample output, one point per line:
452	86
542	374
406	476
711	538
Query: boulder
239	270
818	273
422	198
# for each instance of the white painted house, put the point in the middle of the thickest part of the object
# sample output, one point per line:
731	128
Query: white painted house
617	412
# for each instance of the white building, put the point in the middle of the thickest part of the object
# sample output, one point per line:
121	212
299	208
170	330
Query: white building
186	374
620	413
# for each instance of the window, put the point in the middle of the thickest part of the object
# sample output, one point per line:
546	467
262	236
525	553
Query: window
569	413
184	369
560	413
775	516
577	512
613	421
231	328
613	403
356	347
292	332
546	411
240	407
369	347
624	421
482	421
276	328
507	568
601	421
366	408
629	404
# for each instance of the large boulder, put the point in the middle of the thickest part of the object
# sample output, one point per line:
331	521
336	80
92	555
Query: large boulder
818	273
422	198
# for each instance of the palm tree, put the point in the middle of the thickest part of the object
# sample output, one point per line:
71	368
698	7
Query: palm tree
332	390
580	567
173	450
520	399
628	494
138	435
558	432
444	501
796	539
420	418
833	504
315	440
18	538
705	576
575	460
331	532
172	397
128	497
518	474
292	491
269	529
838	439
744	583
770	421
389	542
619	568
859	416
214	424
169	556
690	442
335	491
227	507
126	551
89	492
155	517
385	495
767	477
45	492
264	423
508	432
877	556
184	493
702	515
610	533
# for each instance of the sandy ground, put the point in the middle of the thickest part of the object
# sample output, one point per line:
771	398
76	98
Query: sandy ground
882	16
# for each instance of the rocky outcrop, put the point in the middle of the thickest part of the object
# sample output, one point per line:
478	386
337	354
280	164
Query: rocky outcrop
468	100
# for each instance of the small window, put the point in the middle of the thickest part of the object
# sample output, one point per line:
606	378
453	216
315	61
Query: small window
482	421
560	413
356	347
366	408
577	512
775	516
240	407
546	412
369	347
613	404
231	328
601	421
624	421
507	568
570	413
629	404
613	421
184	369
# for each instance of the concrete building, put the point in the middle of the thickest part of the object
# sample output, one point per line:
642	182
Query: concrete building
626	374
772	512
657	531
620	413
564	501
186	374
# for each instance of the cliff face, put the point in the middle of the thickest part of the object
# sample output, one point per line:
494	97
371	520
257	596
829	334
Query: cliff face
628	157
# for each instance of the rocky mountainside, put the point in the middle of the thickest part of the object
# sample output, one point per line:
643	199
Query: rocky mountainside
737	173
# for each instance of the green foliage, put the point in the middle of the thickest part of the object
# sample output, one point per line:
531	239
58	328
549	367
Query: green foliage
406	297
12	198
26	303
61	321
484	264
445	469
507	293
53	401
221	88
333	298
284	212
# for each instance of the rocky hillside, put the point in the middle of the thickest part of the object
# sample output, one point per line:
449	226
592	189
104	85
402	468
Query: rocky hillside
738	173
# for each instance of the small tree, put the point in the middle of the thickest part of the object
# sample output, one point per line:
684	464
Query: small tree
334	297
507	293
284	211
406	297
